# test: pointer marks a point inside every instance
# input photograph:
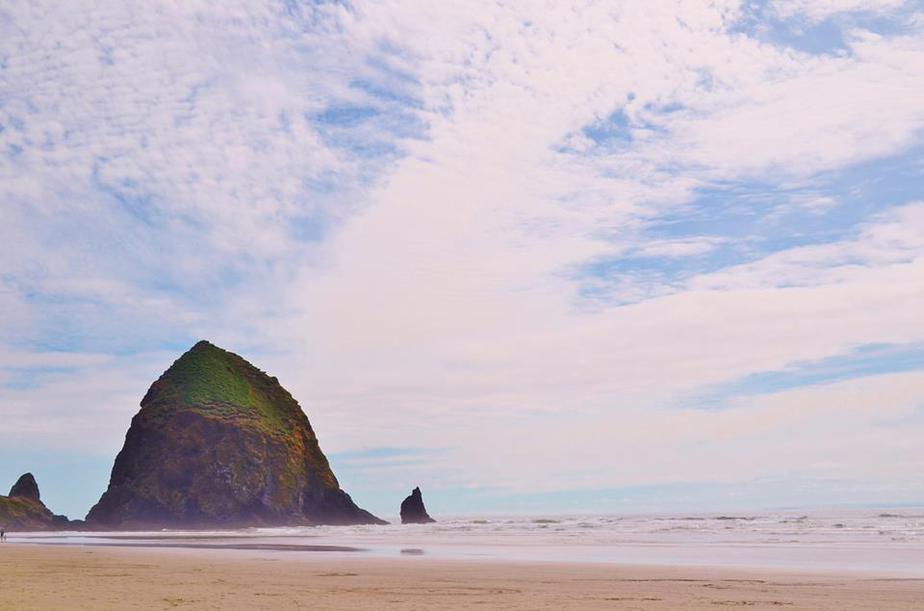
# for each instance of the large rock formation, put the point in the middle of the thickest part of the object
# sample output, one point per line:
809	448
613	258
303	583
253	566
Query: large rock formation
219	443
23	508
413	510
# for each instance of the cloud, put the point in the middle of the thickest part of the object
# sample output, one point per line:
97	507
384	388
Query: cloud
855	430
677	248
892	243
401	209
820	9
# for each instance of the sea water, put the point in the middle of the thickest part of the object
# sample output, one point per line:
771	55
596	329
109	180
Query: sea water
886	541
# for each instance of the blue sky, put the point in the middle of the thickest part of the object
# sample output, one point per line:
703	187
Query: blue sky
614	255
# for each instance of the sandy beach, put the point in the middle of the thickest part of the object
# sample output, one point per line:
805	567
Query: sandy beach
58	577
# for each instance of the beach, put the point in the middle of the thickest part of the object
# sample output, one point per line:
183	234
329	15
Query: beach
857	559
78	577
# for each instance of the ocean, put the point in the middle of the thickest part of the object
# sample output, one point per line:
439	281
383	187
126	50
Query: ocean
887	541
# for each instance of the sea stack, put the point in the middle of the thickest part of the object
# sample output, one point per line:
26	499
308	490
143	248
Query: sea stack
219	443
23	509
413	510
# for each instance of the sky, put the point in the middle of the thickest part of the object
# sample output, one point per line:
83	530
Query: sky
534	257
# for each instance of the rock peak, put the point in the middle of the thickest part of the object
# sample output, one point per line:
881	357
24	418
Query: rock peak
204	347
213	380
413	510
26	487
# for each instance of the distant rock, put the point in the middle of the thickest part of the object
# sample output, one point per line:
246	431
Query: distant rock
61	521
413	510
23	509
26	487
219	443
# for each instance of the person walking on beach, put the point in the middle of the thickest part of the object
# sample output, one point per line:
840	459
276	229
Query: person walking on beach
2	535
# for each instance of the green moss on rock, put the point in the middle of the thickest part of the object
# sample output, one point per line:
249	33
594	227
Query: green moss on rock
218	383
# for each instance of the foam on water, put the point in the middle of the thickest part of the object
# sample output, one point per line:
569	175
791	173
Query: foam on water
857	540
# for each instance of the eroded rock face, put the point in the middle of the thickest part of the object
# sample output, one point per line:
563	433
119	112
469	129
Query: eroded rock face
413	510
23	509
219	443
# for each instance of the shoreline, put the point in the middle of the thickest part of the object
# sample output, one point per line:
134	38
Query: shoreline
840	554
306	552
39	576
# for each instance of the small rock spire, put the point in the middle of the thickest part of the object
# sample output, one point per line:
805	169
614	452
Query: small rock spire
413	510
25	487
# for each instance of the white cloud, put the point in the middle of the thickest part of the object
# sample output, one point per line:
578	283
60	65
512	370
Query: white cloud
678	248
888	251
859	425
820	9
438	304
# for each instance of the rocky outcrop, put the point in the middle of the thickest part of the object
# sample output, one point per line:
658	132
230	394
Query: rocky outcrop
413	510
219	443
23	508
26	487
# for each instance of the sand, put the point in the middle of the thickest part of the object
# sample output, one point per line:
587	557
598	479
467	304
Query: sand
56	577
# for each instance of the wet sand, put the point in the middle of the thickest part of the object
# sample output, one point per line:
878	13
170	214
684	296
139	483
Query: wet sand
65	577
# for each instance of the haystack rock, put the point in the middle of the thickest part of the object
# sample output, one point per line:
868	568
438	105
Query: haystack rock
23	509
413	510
219	443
